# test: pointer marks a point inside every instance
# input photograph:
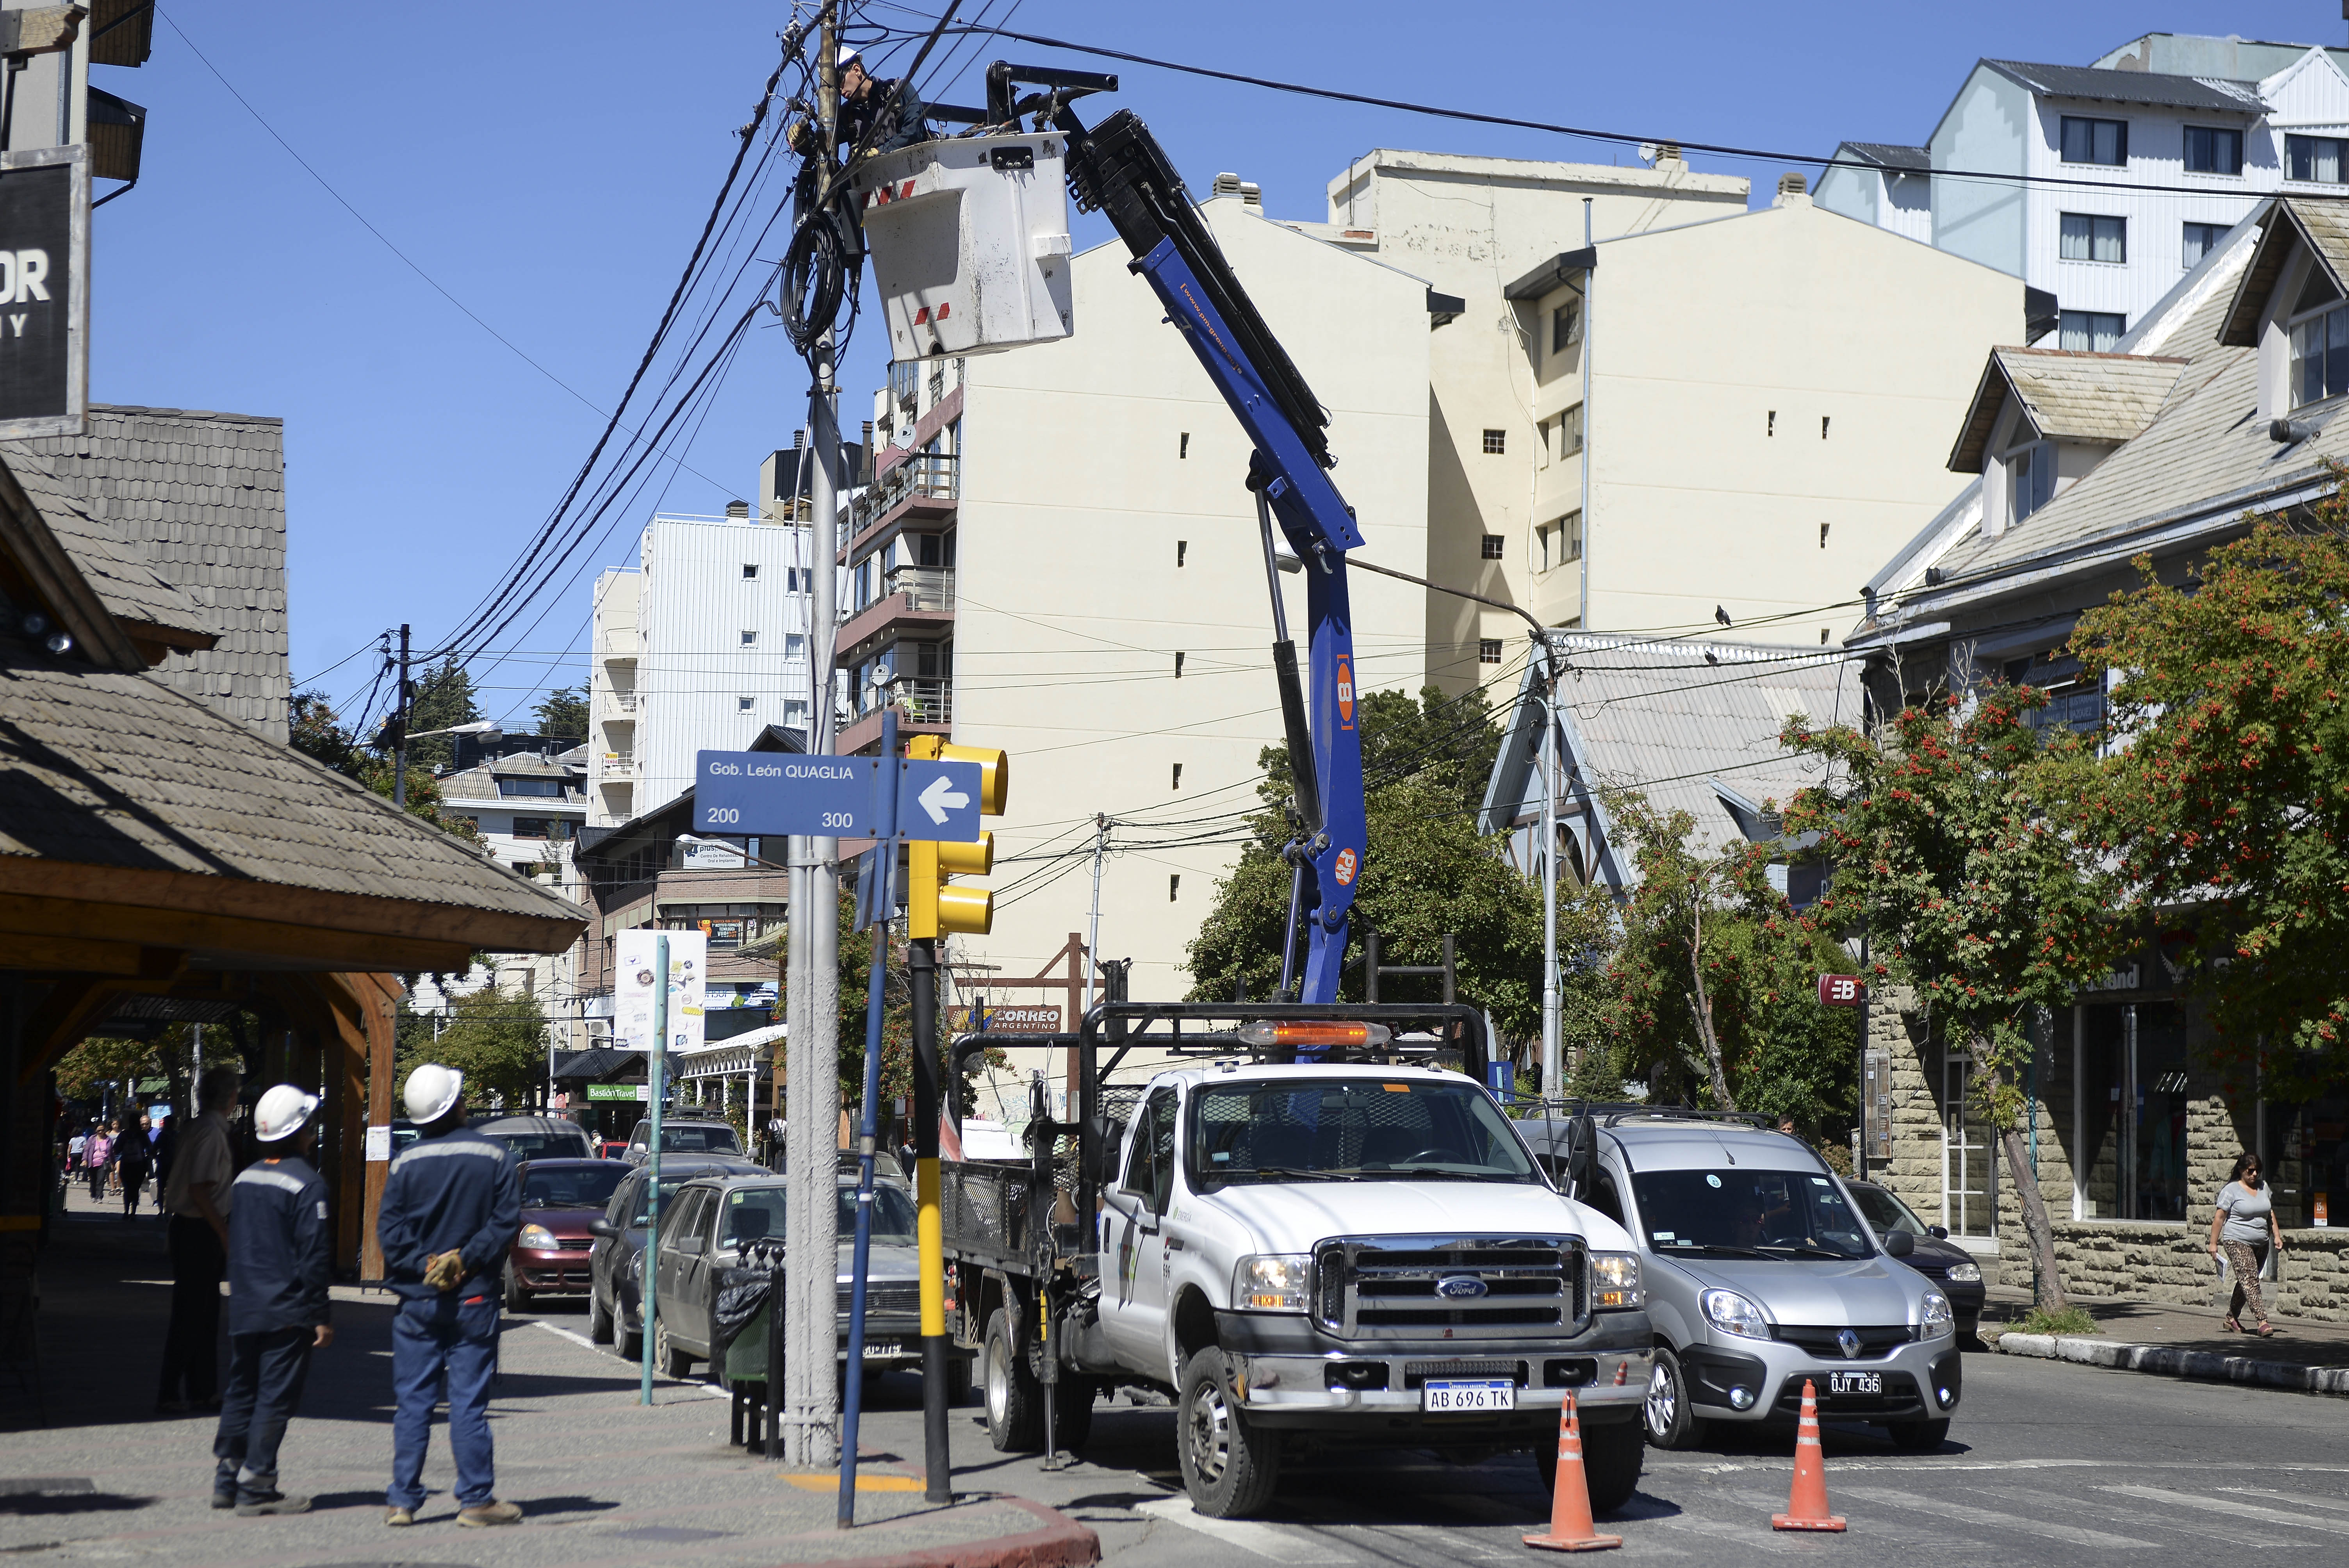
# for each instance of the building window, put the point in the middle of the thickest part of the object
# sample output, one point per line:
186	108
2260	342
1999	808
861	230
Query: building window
2213	151
795	714
2090	331
1560	542
750	571
791	583
1174	888
2202	239
2030	479
1565	327
742	703
2104	141
2130	1079
550	788
2091	237
1969	1178
1569	431
531	828
2314	158
1492	547
1488	650
750	639
1496	441
2320	351
794	645
2307	1158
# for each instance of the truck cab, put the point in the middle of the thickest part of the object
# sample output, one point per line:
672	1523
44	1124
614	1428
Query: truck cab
1326	1253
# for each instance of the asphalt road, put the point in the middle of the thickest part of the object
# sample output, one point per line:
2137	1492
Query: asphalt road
2047	1463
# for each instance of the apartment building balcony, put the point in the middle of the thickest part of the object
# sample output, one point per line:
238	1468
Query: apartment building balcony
621	703
924	708
619	765
620	647
919	488
915	598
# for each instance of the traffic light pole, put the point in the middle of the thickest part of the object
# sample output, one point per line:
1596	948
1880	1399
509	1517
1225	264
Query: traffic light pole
937	1460
869	1130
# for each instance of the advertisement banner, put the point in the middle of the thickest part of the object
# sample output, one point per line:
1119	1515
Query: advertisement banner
633	988
44	291
1008	1019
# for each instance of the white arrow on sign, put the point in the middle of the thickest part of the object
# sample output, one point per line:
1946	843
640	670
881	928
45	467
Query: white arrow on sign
940	798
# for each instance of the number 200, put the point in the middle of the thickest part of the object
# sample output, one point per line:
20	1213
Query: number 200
717	814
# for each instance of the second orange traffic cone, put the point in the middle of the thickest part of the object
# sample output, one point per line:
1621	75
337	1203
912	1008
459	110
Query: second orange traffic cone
1570	1529
1806	1506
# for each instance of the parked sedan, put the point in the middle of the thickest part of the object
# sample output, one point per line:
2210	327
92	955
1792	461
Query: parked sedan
1933	1254
552	1253
616	1268
538	1137
684	1136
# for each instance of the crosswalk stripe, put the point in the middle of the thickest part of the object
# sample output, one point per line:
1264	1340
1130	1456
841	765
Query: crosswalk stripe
1967	1513
2239	1510
2338	1507
1273	1545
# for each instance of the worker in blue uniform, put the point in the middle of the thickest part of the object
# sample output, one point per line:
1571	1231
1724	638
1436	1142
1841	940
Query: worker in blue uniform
280	1250
451	1209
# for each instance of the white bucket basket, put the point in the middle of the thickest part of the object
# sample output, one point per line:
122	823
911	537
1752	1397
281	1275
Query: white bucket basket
969	240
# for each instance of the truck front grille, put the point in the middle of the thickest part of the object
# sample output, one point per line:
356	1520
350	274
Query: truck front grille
1456	1286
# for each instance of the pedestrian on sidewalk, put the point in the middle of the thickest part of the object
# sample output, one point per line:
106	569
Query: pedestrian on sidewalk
451	1209
279	1255
133	1158
198	1199
75	1147
95	1152
2245	1226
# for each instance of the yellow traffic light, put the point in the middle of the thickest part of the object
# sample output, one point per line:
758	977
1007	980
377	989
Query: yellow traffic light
934	905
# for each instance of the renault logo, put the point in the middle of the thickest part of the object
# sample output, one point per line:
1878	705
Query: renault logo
1848	1343
1460	1287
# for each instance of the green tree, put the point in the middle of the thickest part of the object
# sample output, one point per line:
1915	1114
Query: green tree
497	1038
2229	807
563	714
444	696
317	732
1951	849
1425	869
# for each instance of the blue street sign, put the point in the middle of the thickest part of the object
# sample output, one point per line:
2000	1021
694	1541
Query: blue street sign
938	800
781	793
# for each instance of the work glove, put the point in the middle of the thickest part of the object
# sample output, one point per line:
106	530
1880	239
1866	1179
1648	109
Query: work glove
443	1270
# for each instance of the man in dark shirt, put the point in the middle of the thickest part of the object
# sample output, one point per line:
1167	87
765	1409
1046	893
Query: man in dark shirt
888	107
451	1209
279	1247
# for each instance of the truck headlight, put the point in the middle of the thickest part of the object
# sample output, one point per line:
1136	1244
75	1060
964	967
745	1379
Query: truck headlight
1733	1314
1272	1282
1614	1281
536	1238
1935	1319
1965	1274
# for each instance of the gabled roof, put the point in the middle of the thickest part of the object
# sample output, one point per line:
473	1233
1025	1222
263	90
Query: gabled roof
2322	226
2216	93
1885	155
2069	395
112	568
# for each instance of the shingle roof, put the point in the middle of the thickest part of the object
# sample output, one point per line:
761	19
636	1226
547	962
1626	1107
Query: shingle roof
201	495
1886	155
2067	394
116	568
2214	93
2322	226
116	771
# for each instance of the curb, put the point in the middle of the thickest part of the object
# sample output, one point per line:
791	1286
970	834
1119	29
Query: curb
1062	1542
2205	1366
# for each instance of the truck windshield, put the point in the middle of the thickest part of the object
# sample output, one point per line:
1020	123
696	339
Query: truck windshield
1742	1213
1353	1130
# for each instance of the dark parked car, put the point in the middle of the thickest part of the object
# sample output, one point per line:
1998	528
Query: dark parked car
615	1267
1934	1256
551	1253
684	1135
538	1137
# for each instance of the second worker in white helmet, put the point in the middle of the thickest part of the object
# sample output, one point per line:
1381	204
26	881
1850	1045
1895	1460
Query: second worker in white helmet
451	1209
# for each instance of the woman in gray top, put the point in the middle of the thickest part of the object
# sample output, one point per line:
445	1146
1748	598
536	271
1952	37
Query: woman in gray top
2245	1226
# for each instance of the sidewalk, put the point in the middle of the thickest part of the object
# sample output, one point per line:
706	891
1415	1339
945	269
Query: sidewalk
2171	1340
603	1479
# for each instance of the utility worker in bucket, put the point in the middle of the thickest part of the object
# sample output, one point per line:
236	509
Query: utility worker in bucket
451	1209
280	1251
888	108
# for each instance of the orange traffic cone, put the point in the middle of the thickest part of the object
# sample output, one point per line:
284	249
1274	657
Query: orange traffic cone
1806	1506
1569	1509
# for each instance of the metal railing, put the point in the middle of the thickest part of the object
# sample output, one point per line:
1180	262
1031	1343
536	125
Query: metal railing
925	587
935	475
623	702
921	701
618	766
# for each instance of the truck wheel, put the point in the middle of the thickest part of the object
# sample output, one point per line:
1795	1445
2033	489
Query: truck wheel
1015	1399
599	1318
1670	1420
1612	1453
1230	1467
1072	1410
1919	1437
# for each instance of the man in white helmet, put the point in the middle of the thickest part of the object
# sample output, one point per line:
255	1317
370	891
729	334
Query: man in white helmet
280	1253
451	1209
888	107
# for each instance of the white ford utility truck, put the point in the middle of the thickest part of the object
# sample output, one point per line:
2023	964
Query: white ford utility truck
1310	1227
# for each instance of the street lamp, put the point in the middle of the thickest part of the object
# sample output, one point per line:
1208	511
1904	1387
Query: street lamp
490	730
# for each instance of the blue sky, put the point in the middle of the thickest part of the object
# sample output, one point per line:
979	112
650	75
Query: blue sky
548	166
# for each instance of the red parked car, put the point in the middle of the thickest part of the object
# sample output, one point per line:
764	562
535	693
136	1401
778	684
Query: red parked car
559	1197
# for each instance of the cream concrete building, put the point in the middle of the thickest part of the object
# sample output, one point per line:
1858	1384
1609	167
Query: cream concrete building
1064	535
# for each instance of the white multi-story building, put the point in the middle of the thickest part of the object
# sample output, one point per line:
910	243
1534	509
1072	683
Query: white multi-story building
700	647
2131	168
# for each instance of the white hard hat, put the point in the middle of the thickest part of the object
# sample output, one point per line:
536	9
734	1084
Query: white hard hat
433	1091
284	1111
848	56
